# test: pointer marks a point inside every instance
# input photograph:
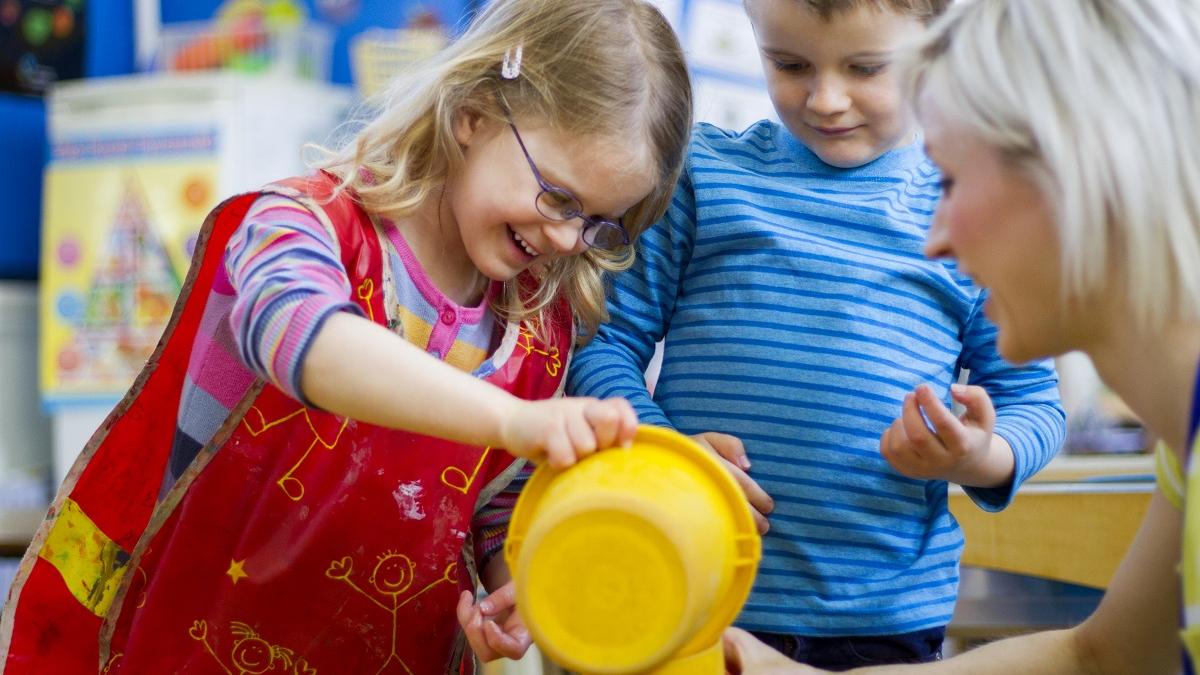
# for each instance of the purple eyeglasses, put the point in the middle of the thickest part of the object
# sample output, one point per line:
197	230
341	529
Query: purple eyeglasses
556	203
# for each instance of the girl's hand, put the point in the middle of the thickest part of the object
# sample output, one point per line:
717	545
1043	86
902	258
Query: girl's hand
960	450
561	430
493	629
732	454
746	655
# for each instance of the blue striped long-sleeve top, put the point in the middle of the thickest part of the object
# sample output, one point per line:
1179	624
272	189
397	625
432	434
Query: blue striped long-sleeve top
797	311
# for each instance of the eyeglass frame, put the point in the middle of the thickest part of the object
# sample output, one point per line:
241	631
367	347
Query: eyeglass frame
590	223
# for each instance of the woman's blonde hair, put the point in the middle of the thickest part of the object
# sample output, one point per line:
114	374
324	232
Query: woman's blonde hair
1098	102
594	68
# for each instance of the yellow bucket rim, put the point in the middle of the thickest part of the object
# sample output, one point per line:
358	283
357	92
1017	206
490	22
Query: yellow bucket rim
748	544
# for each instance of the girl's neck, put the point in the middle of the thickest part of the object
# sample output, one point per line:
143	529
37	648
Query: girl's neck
1154	374
433	236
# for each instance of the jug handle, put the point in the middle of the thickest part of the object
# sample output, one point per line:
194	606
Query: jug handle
749	550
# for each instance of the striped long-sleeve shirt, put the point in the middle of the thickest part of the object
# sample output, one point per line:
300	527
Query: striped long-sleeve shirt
797	311
281	279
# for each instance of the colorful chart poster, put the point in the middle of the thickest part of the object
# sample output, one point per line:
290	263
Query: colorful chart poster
119	226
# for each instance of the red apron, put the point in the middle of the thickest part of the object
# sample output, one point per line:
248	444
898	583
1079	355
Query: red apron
296	542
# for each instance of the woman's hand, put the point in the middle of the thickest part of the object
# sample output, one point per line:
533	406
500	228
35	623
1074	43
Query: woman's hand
746	655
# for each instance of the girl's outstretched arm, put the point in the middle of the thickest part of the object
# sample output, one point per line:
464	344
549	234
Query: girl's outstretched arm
359	369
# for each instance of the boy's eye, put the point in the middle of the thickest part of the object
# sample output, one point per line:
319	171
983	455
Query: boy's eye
945	184
789	66
868	70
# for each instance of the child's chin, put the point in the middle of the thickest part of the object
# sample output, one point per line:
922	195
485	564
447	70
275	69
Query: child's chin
845	158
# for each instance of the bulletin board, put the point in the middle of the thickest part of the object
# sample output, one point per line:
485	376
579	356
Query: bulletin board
120	221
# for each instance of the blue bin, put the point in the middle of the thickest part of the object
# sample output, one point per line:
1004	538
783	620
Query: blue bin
23	147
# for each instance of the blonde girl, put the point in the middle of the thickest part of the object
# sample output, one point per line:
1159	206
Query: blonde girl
360	361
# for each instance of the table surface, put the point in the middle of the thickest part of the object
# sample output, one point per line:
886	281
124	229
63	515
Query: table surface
1072	522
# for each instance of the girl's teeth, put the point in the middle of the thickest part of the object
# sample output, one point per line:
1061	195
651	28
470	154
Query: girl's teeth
524	245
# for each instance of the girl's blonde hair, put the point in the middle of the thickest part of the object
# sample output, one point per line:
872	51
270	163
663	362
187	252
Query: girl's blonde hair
594	68
1098	102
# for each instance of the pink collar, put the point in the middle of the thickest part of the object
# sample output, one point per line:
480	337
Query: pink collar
432	294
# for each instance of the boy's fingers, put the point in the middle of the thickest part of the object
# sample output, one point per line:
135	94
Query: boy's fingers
889	443
919	435
757	496
729	447
760	502
948	427
975	399
761	524
902	455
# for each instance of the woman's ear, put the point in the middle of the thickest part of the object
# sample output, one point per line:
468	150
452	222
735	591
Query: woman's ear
466	124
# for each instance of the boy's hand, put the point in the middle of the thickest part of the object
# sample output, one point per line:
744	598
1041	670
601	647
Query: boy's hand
561	430
732	454
746	655
960	450
493	629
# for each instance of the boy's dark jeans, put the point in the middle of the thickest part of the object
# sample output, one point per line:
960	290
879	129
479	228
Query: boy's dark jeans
844	653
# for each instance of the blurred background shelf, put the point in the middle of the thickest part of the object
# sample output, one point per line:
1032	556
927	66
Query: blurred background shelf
16	529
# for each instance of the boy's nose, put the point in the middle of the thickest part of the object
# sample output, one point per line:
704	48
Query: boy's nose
827	96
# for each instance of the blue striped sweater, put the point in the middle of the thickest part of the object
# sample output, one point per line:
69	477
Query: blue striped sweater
797	311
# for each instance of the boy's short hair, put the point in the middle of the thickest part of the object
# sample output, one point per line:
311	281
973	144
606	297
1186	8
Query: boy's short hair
925	10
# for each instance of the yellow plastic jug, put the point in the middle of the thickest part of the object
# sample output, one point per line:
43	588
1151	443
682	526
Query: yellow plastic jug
635	559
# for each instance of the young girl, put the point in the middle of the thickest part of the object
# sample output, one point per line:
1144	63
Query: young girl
291	483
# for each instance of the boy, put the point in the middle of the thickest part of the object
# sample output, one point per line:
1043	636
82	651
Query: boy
801	319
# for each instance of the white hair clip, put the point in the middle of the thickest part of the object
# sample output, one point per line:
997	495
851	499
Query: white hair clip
510	67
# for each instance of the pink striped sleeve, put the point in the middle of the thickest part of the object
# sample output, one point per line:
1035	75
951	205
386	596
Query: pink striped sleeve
288	278
490	523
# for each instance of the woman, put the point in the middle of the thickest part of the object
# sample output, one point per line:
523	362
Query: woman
1068	134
